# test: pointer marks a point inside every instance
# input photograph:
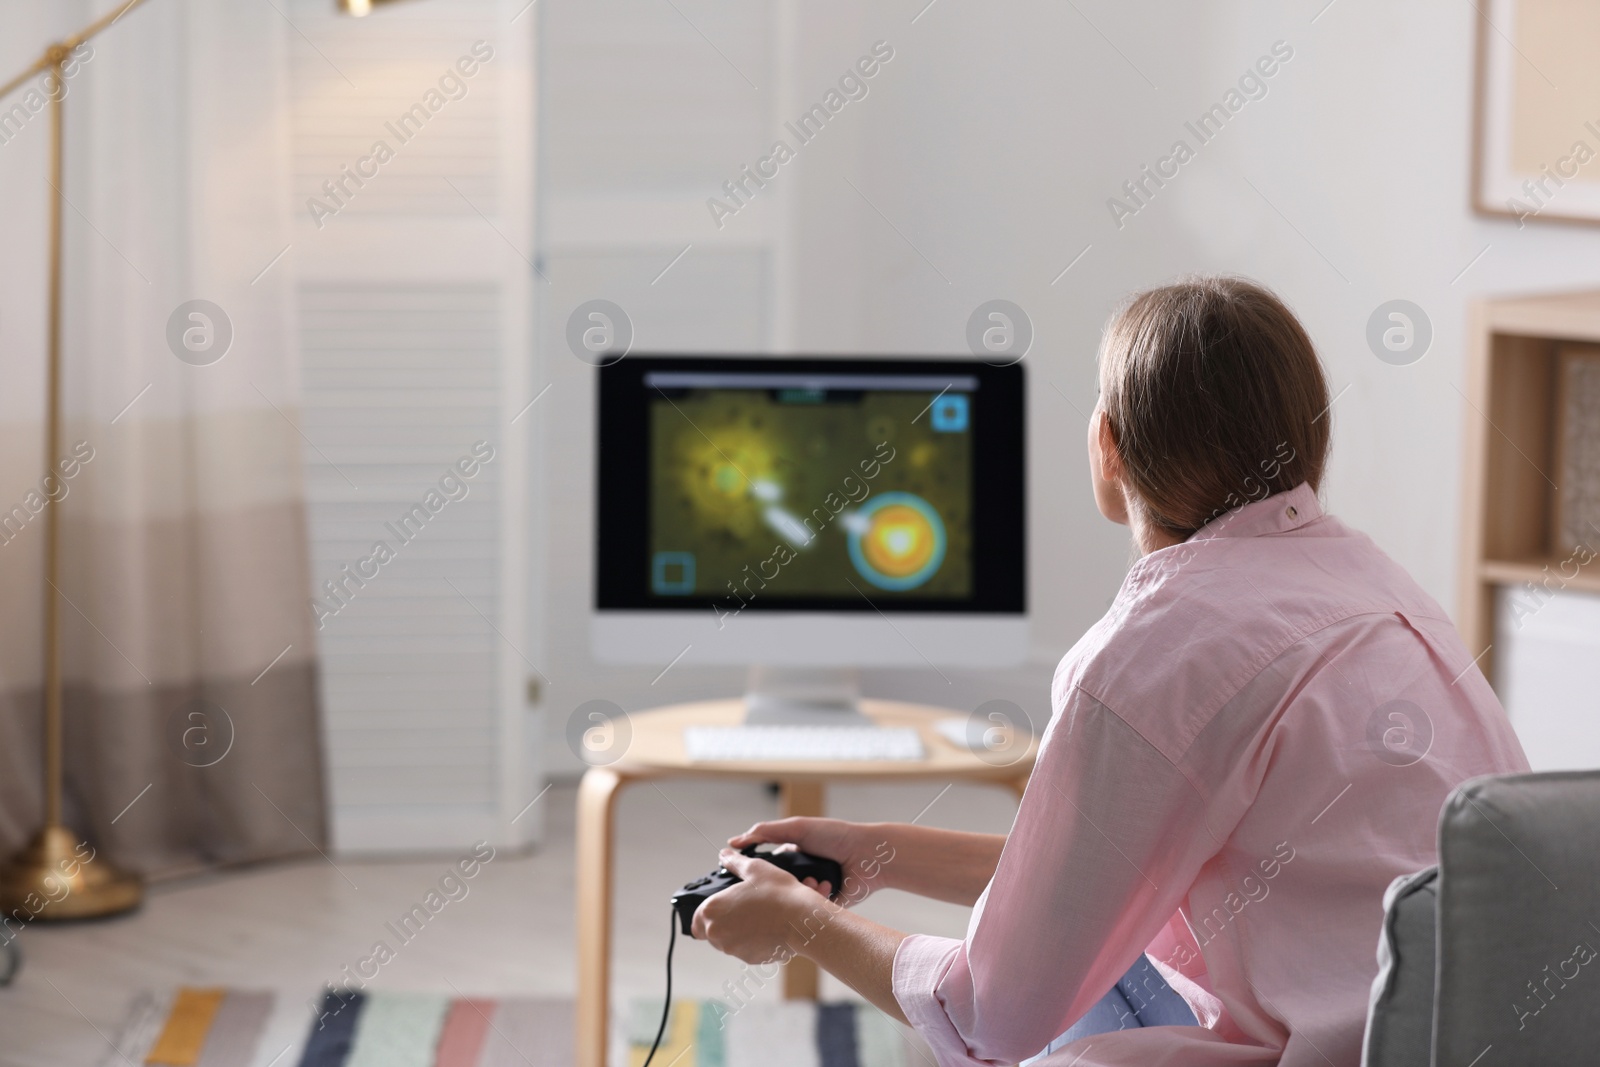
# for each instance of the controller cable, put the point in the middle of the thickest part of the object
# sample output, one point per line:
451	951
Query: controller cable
666	1008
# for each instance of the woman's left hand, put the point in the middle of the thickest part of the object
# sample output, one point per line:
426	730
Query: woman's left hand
764	918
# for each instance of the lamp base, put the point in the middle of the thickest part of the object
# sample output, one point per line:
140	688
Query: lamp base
58	877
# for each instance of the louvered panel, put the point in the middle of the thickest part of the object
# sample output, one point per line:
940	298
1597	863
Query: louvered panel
351	81
405	710
368	792
714	299
644	95
399	381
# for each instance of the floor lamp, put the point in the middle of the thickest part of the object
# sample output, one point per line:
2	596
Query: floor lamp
32	882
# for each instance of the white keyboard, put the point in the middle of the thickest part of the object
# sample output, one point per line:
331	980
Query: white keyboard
767	744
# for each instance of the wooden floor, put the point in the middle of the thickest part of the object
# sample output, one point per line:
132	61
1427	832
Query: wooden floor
293	927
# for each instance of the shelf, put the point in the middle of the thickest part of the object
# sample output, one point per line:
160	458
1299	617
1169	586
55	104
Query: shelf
1561	316
1516	572
1511	513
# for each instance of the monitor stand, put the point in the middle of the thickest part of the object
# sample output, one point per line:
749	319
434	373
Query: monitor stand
811	696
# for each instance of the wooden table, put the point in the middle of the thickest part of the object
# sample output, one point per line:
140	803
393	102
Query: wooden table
655	751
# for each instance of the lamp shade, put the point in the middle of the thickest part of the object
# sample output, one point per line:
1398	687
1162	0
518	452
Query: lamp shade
360	7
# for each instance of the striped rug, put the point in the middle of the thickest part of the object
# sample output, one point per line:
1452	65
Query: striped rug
796	1033
193	1028
208	1027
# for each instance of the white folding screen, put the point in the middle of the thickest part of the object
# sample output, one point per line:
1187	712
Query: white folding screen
412	141
646	109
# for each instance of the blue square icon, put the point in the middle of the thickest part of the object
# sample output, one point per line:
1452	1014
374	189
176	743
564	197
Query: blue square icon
672	573
950	413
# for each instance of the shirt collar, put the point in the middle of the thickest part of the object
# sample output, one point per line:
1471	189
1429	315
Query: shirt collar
1278	513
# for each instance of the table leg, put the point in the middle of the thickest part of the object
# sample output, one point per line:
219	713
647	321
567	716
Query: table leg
801	981
597	797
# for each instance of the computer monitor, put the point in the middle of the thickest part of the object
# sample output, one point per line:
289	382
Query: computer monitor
808	516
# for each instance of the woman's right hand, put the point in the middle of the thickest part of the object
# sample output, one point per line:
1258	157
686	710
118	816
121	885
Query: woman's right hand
862	850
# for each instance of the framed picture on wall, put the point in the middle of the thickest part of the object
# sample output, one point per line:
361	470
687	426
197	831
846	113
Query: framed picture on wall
1537	144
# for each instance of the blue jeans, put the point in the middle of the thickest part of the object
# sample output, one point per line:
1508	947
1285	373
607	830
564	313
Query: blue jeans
1140	998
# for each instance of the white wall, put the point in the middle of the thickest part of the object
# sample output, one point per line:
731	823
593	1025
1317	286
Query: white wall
997	134
992	141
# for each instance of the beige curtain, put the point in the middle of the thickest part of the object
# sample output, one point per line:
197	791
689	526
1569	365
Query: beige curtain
192	733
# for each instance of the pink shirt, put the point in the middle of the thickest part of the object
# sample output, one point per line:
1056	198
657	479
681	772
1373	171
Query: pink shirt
1244	752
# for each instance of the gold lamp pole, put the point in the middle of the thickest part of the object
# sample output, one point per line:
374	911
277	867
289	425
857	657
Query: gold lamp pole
31	883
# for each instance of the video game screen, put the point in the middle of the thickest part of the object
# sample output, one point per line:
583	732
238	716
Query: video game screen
765	484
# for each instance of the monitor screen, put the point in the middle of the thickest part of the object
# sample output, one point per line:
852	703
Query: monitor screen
783	484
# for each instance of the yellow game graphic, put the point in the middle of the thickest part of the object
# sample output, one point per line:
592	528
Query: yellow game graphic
797	493
897	541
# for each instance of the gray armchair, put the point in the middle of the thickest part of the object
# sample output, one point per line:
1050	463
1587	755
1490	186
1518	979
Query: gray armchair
1492	958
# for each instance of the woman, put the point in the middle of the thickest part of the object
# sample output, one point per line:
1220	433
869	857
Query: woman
1244	752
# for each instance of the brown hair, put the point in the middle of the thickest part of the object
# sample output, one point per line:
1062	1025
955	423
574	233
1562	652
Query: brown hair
1214	397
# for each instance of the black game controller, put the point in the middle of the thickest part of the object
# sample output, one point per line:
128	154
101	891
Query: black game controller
800	864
